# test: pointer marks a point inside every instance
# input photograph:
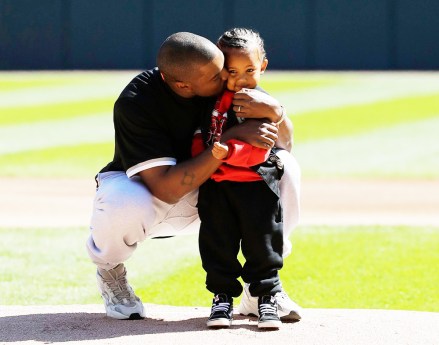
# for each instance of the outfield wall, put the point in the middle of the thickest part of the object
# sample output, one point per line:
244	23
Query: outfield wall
299	34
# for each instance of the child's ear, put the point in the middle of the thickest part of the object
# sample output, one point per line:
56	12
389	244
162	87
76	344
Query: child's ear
264	65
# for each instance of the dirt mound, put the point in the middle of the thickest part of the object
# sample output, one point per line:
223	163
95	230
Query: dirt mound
87	324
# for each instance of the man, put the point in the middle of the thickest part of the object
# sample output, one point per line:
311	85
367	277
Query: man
150	188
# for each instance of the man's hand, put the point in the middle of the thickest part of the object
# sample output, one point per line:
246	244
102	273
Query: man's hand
254	132
251	103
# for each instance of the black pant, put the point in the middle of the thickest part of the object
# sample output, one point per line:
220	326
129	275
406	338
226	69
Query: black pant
246	212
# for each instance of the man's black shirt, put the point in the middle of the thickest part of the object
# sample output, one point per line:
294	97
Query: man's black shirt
153	125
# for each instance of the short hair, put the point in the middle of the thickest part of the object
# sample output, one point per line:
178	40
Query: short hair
182	53
242	38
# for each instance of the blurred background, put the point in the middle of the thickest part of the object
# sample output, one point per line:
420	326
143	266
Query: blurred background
299	34
359	80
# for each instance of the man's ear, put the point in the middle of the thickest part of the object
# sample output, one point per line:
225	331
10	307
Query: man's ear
183	89
182	85
264	65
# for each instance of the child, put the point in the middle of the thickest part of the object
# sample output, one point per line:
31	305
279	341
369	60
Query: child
240	204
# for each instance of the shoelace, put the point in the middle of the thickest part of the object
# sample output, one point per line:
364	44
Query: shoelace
267	308
224	306
119	287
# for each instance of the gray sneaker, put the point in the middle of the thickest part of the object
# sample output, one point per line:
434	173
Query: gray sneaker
119	298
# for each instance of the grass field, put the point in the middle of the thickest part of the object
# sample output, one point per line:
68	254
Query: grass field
343	267
346	124
353	125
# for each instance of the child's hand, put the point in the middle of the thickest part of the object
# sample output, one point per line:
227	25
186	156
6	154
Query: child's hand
220	151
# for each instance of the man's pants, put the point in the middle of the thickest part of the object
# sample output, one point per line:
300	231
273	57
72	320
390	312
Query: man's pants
125	213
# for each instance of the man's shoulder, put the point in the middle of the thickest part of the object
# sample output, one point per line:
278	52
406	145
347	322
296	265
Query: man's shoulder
144	86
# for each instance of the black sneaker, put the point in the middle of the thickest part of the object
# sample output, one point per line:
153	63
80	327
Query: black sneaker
221	314
268	317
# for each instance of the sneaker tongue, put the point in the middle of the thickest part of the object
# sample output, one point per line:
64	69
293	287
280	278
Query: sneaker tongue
221	298
266	299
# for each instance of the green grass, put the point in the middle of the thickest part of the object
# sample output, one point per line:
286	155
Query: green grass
331	267
315	131
34	113
355	119
83	160
21	84
284	82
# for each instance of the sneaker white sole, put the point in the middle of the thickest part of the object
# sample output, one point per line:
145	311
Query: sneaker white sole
137	313
219	323
120	316
270	325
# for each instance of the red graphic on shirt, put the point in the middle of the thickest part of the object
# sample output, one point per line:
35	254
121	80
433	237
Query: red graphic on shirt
219	117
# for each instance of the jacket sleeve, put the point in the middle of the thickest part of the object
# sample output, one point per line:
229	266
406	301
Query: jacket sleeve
242	154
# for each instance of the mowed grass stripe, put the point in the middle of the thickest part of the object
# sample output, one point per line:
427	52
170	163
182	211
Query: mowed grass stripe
406	150
20	84
35	113
380	153
363	117
83	160
273	83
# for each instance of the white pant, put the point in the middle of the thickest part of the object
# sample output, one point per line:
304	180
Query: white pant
126	213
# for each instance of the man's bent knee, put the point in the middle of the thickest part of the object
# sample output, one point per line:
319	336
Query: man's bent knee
122	216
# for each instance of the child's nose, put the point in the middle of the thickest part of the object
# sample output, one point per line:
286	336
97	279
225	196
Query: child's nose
242	81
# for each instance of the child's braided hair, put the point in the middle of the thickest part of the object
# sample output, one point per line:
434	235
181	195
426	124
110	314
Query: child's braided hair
241	38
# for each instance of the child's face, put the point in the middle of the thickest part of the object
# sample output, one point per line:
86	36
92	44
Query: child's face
245	68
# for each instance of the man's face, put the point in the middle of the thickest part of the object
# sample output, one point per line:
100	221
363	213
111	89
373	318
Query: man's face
209	79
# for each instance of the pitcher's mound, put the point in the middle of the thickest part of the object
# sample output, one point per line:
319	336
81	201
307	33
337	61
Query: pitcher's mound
86	324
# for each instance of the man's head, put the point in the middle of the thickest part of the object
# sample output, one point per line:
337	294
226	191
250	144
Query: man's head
191	65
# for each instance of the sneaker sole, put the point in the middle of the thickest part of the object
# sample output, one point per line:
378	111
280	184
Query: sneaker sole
119	316
270	325
219	323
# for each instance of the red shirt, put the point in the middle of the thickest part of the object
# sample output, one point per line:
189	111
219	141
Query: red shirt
241	157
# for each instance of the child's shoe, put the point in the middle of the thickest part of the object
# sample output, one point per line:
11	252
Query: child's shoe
268	317
221	314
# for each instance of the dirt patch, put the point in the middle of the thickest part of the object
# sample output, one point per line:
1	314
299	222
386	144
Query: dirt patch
68	202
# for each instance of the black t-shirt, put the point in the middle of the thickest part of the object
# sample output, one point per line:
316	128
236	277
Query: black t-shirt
153	125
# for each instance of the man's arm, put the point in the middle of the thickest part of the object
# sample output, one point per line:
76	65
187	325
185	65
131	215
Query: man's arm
251	103
170	183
